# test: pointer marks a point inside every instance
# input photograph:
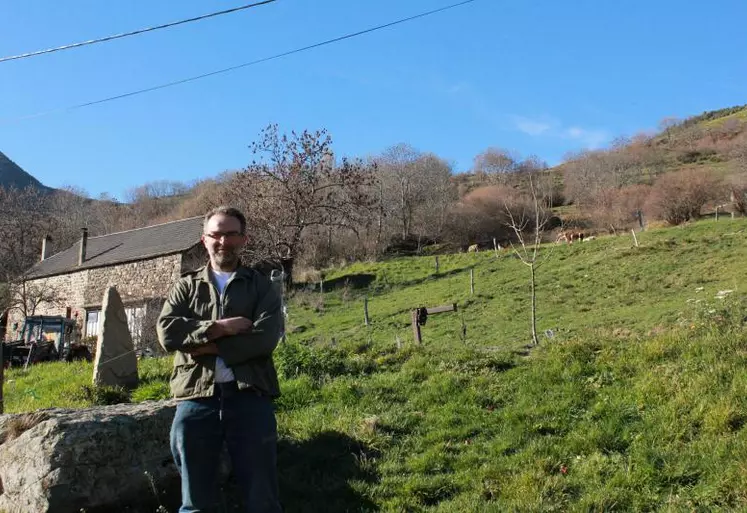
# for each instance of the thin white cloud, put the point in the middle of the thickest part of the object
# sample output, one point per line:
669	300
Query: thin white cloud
547	127
591	138
531	126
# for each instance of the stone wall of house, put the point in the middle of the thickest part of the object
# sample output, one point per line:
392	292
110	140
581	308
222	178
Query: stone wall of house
135	281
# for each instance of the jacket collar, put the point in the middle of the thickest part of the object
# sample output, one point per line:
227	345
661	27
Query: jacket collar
203	272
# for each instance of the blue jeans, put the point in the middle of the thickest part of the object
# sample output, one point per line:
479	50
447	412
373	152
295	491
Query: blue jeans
245	421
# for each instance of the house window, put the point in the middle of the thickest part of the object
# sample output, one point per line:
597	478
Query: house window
136	322
92	323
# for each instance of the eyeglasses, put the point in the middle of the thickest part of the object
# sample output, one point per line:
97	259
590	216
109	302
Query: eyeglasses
224	235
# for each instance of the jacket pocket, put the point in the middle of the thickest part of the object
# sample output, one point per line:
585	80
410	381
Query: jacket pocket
185	380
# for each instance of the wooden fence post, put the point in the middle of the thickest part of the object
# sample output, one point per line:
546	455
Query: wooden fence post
718	207
436	264
365	310
635	239
416	328
495	246
464	330
472	281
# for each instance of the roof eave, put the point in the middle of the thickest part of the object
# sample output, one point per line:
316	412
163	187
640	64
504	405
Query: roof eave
110	264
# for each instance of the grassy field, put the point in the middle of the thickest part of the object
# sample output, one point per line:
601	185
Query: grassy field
636	400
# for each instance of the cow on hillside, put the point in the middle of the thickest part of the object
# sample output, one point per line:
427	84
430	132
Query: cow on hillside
569	236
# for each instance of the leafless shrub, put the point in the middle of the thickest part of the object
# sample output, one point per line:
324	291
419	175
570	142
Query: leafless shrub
679	196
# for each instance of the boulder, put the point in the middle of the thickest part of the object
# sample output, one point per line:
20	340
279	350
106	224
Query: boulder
116	362
108	458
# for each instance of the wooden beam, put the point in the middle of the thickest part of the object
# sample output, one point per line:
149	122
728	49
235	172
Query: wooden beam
441	309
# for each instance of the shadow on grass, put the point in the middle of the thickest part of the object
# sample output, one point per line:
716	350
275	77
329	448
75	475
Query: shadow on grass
354	281
316	474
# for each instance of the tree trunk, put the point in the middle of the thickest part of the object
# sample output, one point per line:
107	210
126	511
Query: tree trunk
287	265
381	217
403	207
535	340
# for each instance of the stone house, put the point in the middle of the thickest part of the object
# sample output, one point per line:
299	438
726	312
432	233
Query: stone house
142	263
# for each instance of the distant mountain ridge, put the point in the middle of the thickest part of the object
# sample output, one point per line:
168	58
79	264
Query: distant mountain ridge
12	175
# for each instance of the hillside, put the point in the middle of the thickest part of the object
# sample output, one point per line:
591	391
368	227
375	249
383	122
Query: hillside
635	401
12	175
711	140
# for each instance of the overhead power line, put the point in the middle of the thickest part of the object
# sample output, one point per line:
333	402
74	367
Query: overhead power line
251	63
134	32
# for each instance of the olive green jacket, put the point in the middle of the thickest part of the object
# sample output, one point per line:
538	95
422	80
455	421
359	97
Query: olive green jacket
193	305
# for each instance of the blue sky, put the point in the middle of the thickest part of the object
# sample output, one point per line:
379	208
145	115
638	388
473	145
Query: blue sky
538	77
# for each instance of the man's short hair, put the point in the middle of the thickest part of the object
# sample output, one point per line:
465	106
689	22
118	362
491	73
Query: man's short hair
226	211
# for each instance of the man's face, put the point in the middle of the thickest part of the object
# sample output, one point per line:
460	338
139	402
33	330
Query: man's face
223	240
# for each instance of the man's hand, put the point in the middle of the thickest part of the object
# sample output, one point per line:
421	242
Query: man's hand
211	348
228	327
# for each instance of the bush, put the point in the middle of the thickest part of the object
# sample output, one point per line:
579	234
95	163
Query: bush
153	391
103	395
293	359
482	215
692	156
677	197
618	208
737	186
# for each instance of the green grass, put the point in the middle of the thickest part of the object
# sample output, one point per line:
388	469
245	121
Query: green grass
68	385
740	115
638	402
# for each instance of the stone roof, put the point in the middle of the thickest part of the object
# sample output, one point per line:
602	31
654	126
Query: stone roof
129	246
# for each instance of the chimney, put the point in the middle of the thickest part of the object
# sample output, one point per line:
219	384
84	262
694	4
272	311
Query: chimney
46	247
83	244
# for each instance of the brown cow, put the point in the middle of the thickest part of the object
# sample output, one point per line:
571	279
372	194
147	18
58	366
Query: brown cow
569	236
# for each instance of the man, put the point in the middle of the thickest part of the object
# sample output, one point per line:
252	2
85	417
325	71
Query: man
223	321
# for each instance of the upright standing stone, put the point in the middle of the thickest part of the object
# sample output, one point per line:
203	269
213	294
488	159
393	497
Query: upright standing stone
115	363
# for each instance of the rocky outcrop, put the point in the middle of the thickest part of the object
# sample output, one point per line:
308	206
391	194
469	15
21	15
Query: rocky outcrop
108	458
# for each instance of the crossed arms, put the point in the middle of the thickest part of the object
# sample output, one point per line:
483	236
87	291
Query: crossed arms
235	339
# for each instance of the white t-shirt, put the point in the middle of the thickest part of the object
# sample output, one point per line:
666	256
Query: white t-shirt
223	373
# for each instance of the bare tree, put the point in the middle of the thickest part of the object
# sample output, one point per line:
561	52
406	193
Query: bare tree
72	209
154	200
295	185
202	196
667	124
528	227
26	296
437	194
402	181
588	173
110	215
25	218
495	164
